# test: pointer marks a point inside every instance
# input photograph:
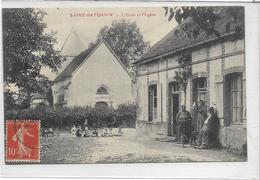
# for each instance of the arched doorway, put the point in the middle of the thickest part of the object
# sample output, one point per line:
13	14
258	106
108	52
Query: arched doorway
101	105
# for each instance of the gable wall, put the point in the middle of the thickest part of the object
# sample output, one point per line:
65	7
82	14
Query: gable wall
101	68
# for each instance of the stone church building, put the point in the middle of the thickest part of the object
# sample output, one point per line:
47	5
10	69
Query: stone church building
218	77
96	77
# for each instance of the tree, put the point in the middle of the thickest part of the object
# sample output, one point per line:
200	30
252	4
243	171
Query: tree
183	74
126	40
203	19
9	100
27	47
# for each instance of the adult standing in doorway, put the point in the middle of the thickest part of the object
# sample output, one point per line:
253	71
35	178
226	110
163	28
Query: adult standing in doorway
201	115
183	119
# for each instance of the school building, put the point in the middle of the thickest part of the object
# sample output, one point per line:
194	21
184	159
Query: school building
218	77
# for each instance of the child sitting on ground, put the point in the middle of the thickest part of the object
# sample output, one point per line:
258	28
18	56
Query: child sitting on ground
73	129
94	133
105	133
86	133
79	132
110	134
119	132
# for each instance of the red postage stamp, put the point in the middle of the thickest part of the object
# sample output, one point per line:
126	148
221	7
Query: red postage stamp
22	141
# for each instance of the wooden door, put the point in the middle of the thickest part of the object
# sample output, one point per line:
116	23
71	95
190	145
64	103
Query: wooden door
150	103
175	109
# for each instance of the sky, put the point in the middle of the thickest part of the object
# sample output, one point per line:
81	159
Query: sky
86	23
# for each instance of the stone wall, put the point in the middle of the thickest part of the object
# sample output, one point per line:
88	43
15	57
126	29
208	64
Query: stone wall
150	129
233	137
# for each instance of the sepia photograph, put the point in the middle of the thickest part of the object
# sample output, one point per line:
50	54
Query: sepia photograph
98	85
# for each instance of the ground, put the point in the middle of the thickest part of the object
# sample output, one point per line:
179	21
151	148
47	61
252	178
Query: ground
66	148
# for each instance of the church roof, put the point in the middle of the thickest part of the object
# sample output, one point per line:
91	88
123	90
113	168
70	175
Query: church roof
174	41
74	64
77	61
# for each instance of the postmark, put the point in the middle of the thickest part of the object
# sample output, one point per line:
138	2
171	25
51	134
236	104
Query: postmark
22	141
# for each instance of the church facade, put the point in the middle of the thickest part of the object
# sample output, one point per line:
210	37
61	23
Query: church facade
96	77
218	78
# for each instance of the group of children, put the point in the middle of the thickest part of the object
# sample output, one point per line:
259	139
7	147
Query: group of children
107	132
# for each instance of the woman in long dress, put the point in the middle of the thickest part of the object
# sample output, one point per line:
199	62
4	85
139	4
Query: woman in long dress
201	115
208	136
23	150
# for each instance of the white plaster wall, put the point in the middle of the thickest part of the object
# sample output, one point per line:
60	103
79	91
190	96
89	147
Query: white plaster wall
214	87
171	73
199	54
142	90
153	77
237	60
232	46
101	68
164	101
215	50
172	61
162	64
200	67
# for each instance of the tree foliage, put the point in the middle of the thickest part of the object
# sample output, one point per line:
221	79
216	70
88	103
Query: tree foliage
27	47
126	40
203	19
183	74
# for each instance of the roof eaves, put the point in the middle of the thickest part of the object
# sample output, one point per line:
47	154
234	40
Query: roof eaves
181	49
59	78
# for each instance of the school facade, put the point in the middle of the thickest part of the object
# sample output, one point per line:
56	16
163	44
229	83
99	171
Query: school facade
218	78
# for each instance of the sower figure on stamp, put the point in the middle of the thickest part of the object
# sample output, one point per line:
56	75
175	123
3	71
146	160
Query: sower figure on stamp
183	119
19	137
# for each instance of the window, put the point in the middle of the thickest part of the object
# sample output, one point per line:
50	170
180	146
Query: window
101	90
233	97
200	89
152	102
174	87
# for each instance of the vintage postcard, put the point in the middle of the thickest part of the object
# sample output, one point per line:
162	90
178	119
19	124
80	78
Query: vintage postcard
115	85
99	85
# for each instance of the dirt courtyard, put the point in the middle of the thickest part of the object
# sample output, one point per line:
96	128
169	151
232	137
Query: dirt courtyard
67	148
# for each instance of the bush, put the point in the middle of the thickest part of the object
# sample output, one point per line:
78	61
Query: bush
65	117
46	114
10	114
126	115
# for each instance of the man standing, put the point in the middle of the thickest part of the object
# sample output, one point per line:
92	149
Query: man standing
183	119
